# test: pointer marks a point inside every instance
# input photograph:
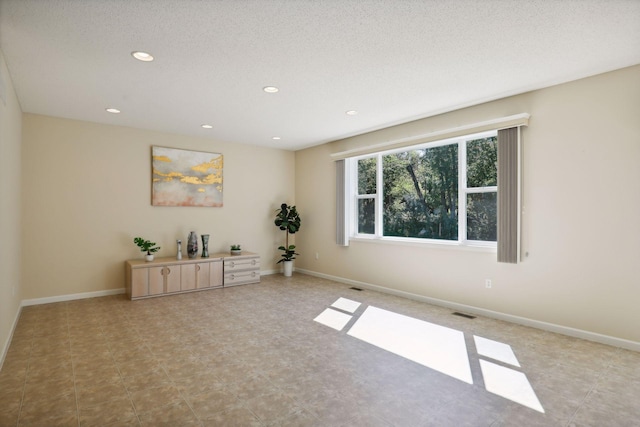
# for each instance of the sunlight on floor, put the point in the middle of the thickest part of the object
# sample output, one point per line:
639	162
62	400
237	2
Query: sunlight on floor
433	346
333	319
437	347
495	350
510	384
345	304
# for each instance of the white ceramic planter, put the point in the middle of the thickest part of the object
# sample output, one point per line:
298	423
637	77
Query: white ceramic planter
149	257
288	268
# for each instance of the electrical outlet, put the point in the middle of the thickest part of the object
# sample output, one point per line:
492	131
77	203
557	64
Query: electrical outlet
317	255
487	283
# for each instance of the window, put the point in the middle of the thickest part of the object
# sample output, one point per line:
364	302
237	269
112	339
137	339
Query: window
443	191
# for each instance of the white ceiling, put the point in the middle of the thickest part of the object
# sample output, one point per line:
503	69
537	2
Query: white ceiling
391	60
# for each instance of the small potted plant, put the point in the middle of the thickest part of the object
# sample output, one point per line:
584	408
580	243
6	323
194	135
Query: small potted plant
235	250
146	246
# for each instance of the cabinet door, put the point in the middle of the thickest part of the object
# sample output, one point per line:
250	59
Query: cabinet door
172	278
187	277
156	280
216	274
203	275
139	282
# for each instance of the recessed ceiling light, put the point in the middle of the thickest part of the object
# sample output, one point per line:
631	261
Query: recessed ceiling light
270	89
206	126
112	110
276	138
351	113
142	56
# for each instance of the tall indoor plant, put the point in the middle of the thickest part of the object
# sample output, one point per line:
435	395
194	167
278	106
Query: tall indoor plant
288	220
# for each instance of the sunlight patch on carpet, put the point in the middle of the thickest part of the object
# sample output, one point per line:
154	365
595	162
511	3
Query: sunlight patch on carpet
510	384
495	350
434	346
345	304
333	319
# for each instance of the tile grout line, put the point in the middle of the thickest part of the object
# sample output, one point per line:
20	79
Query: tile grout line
26	376
122	377
591	390
73	369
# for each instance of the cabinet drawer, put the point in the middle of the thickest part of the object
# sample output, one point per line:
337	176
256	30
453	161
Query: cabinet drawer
241	277
241	264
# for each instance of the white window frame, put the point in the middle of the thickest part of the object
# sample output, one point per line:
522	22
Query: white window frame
463	191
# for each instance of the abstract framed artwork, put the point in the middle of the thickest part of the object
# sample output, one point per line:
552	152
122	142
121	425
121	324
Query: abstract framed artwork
186	178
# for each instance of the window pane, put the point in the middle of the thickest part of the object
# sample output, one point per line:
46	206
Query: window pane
481	216
482	158
366	216
367	176
421	193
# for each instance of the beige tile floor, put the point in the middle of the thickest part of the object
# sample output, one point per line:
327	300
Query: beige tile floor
253	356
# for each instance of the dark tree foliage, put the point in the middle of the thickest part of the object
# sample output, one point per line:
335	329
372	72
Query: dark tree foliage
420	194
482	159
366	185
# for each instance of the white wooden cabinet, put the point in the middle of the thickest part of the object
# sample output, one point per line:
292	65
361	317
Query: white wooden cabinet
241	270
209	275
164	276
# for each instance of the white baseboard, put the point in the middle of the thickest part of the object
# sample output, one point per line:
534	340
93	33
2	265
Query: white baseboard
5	347
71	297
84	295
565	330
268	272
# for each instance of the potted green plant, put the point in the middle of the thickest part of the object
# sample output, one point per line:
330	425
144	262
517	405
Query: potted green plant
235	250
288	220
146	246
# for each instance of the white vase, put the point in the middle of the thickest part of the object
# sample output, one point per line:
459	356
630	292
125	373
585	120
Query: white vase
288	268
149	257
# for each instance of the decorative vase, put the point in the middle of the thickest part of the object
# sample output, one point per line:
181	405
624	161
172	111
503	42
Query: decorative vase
205	246
149	257
179	255
288	268
236	252
192	245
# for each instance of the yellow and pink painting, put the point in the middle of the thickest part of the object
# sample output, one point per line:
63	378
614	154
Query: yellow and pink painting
186	178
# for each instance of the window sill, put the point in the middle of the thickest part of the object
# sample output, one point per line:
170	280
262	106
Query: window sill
490	247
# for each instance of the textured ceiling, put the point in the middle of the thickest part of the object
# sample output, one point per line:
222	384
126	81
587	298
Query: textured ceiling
391	60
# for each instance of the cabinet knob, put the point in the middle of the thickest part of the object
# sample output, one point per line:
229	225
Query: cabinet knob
233	264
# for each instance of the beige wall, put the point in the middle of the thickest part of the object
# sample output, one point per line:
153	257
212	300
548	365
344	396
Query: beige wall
10	137
86	195
581	224
86	187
